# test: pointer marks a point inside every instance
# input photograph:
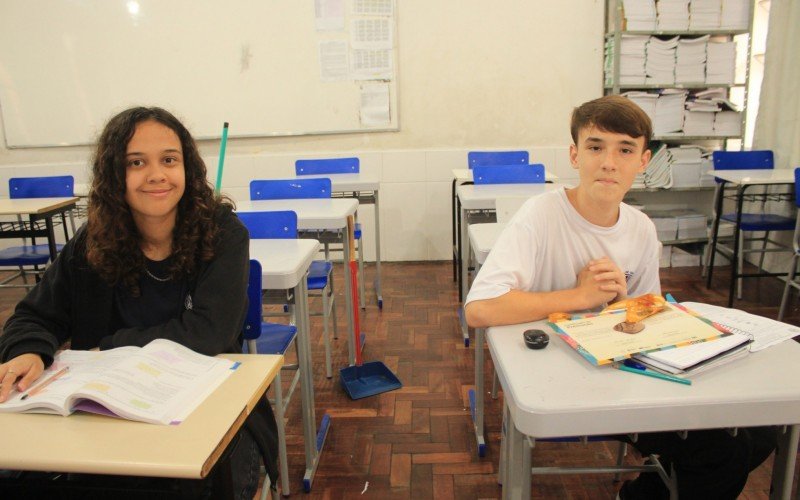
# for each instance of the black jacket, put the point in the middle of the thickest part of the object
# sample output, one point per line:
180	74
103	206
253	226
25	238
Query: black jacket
73	303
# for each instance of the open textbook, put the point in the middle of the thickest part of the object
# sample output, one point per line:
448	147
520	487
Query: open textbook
595	338
160	383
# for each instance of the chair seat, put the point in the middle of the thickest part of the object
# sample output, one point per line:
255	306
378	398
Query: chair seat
37	255
762	222
275	338
318	274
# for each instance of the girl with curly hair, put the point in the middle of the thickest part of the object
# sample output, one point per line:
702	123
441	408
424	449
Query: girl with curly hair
159	257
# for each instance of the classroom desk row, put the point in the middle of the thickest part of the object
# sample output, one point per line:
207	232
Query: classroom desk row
35	210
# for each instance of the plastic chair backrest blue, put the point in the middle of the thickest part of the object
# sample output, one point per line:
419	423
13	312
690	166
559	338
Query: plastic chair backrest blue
251	329
797	187
509	174
270	225
744	160
327	166
289	189
478	158
58	186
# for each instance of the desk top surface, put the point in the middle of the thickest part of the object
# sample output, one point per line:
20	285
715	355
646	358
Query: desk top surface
312	213
283	262
748	177
348	182
104	445
482	238
556	392
24	206
483	196
465	174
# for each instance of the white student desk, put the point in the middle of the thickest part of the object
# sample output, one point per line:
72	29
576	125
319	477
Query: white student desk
460	176
742	179
366	191
284	266
482	197
35	209
319	214
94	444
555	392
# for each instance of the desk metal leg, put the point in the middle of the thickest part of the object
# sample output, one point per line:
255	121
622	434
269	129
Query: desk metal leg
348	300
312	441
783	466
712	245
518	463
478	395
464	268
453	224
737	233
378	251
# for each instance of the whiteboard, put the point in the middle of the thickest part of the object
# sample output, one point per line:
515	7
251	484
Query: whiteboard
67	66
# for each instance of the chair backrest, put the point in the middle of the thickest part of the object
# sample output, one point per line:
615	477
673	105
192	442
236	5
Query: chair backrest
57	186
509	174
797	187
270	225
327	166
252	322
744	160
286	189
479	158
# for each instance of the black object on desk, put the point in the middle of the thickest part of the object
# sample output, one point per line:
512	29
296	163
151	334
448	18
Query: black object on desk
536	339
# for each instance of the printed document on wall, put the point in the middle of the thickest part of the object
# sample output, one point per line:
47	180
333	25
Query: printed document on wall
371	64
375	109
373	7
333	65
371	33
329	15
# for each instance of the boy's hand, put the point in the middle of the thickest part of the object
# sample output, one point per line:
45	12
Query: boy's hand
600	282
609	277
27	367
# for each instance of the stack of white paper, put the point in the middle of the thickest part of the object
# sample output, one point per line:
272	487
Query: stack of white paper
704	14
699	121
686	167
690	66
713	93
735	14
728	123
632	59
658	173
640	14
645	100
660	64
673	15
669	111
721	62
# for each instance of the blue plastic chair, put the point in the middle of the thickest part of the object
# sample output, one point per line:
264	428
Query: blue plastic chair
283	225
750	222
290	189
482	158
790	280
26	256
271	338
323	166
509	174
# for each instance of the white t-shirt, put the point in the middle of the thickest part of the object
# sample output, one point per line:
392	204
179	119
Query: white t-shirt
547	243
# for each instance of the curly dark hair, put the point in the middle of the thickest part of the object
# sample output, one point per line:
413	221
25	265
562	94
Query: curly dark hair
113	240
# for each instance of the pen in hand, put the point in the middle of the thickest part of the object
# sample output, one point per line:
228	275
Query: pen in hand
34	391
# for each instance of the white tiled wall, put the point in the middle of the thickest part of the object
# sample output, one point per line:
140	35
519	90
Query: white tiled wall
415	191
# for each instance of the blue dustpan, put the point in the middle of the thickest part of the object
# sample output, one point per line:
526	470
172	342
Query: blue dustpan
365	379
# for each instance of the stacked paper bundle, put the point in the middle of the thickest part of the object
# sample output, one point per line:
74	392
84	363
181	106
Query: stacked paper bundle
687	163
704	14
673	15
699	117
631	63
645	100
669	111
660	63
640	14
658	173
721	62
735	14
728	123
690	66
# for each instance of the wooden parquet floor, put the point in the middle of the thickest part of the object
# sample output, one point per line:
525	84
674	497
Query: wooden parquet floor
418	442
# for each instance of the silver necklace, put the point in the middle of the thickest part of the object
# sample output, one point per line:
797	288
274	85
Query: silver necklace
162	280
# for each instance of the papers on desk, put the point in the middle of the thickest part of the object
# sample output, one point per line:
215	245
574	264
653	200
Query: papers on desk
596	340
765	332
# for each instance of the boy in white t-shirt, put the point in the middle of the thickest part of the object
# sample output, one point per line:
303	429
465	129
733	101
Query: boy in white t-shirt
580	249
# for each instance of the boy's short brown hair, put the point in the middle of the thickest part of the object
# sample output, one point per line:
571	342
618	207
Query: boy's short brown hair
612	113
